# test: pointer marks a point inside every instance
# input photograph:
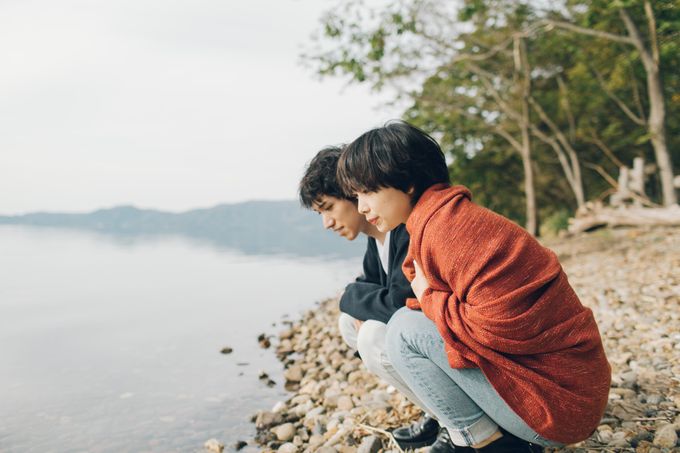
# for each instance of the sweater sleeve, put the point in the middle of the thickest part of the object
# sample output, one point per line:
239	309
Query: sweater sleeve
367	298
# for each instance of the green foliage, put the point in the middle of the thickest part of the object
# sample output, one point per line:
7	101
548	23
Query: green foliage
575	78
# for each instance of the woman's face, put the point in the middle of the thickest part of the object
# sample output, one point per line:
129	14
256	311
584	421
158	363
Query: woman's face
386	208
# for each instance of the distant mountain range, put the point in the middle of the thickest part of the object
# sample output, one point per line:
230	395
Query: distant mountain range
254	227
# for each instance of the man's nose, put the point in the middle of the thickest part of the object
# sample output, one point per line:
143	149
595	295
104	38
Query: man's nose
328	221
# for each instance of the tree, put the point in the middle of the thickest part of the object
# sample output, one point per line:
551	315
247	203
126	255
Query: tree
648	52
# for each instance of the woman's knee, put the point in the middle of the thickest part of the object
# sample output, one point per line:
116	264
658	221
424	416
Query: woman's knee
405	331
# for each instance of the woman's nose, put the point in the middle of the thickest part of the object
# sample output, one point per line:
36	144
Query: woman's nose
362	207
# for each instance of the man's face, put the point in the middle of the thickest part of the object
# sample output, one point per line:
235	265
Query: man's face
341	216
386	208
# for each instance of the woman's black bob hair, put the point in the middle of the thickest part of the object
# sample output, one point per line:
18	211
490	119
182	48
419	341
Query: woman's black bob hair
396	155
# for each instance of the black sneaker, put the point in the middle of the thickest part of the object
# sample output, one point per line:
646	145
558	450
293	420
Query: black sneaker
419	434
444	444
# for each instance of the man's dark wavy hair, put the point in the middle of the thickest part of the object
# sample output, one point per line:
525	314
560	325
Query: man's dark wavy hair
396	155
320	178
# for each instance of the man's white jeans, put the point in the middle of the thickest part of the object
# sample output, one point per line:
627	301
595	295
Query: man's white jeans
370	342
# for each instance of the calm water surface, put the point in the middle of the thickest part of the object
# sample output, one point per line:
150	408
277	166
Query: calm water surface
110	345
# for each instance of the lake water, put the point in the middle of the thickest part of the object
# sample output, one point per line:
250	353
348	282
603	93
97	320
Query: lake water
113	345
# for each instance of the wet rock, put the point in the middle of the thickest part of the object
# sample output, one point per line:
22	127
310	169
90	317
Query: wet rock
213	445
264	342
226	350
240	444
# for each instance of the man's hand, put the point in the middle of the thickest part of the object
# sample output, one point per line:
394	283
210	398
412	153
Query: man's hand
419	283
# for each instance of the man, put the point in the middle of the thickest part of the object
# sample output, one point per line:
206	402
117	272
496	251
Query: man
368	303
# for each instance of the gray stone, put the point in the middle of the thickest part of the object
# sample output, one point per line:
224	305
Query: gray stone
370	444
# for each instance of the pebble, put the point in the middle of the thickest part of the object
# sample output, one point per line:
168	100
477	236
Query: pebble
666	436
345	403
370	444
288	448
213	445
266	420
293	374
285	432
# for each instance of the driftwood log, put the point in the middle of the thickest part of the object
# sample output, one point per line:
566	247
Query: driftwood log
629	205
596	215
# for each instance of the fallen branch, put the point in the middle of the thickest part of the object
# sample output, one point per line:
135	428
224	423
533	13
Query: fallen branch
597	215
387	434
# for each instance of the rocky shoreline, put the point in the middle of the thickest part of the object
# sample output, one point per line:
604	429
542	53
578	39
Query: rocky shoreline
629	278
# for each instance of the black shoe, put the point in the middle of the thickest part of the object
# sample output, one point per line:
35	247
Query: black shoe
444	444
419	434
510	444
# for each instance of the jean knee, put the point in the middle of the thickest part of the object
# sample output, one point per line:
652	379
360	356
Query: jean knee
371	344
394	338
348	330
406	330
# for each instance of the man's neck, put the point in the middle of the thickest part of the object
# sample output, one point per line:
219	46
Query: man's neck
375	233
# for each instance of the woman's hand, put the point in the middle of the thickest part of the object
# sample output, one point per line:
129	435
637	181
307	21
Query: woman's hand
419	283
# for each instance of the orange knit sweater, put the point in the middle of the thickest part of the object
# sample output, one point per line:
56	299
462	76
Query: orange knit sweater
502	303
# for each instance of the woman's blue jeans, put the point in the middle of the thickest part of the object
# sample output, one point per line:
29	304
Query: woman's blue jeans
462	400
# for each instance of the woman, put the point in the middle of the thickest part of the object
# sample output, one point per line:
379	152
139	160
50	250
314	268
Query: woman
496	343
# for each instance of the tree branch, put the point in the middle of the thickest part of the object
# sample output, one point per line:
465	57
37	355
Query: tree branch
629	113
605	149
651	23
562	86
587	31
637	41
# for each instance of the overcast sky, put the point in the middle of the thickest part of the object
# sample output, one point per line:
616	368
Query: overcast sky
168	104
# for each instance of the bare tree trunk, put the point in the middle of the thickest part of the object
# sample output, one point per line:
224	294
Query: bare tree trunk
530	193
657	110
